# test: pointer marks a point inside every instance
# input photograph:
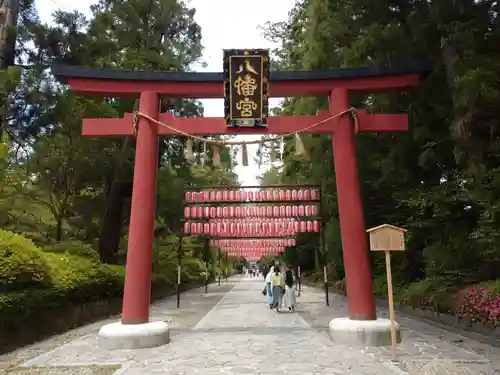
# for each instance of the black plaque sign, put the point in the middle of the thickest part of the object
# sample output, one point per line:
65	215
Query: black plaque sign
246	79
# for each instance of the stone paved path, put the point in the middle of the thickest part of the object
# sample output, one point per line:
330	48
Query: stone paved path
425	349
240	335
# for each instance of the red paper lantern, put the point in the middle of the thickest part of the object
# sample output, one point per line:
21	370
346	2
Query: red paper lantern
262	211
199	211
188	196
314	210
257	228
225	211
316	226
282	211
231	211
314	194
269	195
206	211
288	195
211	196
281	194
294	194
300	195
187	227
199	228
218	196
206	228
307	195
225	195
276	195
301	211
288	211
213	212
244	196
187	212
213	229
231	196
204	196
269	211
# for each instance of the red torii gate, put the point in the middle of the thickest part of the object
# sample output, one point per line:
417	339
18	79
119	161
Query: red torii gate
337	84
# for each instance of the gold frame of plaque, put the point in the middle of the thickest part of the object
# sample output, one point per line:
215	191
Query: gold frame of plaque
246	83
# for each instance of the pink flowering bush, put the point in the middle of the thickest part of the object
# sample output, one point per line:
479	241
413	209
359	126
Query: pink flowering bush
480	306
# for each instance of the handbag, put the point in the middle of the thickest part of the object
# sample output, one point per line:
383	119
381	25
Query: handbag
264	291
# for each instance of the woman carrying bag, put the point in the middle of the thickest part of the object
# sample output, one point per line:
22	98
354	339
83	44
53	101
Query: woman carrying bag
268	290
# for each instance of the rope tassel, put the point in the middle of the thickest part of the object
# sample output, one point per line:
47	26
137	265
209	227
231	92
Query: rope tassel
244	155
216	157
273	154
299	145
189	155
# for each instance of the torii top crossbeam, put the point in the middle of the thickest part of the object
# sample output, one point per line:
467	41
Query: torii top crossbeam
198	85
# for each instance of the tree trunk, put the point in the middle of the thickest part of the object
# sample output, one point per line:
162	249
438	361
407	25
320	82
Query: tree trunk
112	224
112	221
59	223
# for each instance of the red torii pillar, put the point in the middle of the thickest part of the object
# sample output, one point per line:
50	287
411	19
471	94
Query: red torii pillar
136	299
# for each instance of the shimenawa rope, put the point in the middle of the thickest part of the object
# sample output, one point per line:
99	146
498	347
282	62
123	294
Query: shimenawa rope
137	114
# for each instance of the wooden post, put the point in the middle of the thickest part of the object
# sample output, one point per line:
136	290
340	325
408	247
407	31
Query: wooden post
390	297
299	280
179	262
388	238
206	277
219	269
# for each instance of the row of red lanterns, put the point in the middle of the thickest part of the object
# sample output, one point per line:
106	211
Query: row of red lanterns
252	196
261	249
254	220
253	242
250	211
258	229
251	250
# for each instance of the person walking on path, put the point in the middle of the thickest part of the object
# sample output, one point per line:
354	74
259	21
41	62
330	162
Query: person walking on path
268	290
289	299
278	286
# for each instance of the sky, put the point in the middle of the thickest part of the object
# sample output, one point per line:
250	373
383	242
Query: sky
225	24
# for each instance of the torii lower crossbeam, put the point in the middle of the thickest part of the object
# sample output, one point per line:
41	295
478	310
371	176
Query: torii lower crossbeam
210	126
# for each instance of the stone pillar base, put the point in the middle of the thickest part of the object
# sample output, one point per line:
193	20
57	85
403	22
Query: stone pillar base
133	336
362	332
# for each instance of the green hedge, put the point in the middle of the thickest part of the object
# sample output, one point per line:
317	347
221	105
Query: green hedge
36	283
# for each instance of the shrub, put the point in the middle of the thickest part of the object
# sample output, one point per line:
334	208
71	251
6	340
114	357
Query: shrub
81	279
22	264
480	306
74	247
434	293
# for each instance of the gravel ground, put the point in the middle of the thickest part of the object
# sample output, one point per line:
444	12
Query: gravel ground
64	370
